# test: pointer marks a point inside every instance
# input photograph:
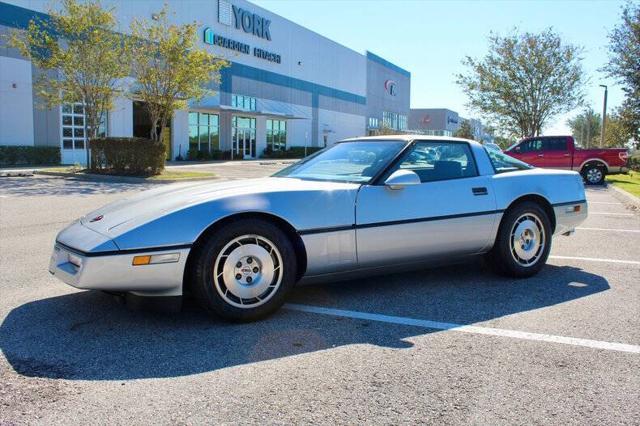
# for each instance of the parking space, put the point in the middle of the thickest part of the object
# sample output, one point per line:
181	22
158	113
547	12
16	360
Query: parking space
453	344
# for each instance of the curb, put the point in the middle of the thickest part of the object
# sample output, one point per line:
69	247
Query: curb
625	196
118	179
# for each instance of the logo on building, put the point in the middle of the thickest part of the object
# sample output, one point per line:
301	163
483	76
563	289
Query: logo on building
390	87
243	19
425	120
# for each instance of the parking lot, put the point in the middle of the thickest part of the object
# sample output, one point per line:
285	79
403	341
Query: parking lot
453	344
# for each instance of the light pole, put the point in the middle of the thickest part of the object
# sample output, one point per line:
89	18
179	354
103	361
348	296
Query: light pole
604	115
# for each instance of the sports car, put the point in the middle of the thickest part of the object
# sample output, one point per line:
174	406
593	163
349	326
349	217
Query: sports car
364	205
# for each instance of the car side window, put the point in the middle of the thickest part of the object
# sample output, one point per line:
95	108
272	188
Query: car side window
434	161
555	144
531	145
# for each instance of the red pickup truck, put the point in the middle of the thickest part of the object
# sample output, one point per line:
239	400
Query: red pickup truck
560	152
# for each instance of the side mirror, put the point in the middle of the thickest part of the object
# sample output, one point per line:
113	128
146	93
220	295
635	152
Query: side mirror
517	148
401	178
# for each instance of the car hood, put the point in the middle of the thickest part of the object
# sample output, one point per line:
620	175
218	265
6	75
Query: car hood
238	196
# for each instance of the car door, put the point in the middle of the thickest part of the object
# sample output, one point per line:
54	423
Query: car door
531	152
450	212
555	153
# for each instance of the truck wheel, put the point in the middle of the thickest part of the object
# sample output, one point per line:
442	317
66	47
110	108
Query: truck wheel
594	174
523	242
244	271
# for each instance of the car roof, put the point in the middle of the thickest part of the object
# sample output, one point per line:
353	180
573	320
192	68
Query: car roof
411	138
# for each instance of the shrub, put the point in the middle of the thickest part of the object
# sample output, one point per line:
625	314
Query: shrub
634	162
291	152
127	156
29	155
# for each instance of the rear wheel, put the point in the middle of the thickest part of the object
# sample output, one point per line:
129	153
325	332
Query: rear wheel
594	174
523	241
244	271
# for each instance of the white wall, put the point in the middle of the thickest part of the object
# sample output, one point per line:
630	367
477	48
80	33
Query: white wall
16	102
180	134
120	118
339	125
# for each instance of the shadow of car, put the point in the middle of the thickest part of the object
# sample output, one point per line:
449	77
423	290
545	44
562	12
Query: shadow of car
86	336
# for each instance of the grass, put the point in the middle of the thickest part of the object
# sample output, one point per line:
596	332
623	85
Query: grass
630	182
165	175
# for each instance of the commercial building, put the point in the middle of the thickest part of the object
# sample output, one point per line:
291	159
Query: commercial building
286	86
443	122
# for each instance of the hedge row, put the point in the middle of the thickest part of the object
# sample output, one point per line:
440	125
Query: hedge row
292	152
29	155
127	156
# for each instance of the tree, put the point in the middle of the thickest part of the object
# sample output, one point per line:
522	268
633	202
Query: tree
624	66
617	134
524	81
586	128
464	131
82	56
170	70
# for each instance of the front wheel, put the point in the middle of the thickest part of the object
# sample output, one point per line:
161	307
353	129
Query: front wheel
594	175
523	242
244	271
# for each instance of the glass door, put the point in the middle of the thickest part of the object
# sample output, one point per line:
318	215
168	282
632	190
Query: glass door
244	137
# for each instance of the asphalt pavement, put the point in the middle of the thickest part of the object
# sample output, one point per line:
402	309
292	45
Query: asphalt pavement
451	345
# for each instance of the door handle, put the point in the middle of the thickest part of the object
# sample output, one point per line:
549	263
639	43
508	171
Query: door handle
565	155
480	191
540	155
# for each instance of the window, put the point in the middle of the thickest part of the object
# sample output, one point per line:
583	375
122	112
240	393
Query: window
374	123
402	122
277	135
246	103
356	161
502	162
72	126
203	132
394	121
555	144
531	145
434	161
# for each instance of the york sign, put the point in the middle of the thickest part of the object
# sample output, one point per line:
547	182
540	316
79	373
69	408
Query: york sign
251	23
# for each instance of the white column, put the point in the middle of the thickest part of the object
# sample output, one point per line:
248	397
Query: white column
261	136
180	134
120	120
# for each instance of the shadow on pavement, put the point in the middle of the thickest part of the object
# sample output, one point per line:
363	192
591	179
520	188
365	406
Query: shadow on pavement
55	186
88	336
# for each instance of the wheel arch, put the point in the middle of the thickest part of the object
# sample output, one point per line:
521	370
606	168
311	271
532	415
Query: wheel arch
594	162
541	201
286	227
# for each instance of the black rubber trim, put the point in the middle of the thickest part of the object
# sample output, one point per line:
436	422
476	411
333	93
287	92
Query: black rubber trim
120	252
568	203
396	222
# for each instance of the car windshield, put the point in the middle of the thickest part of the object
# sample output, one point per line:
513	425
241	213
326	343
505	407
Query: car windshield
503	163
354	161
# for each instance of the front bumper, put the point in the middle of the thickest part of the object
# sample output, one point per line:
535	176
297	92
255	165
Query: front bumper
567	218
115	272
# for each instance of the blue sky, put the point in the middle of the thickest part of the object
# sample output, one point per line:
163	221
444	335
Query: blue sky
430	38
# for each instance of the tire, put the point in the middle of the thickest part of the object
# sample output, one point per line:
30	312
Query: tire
594	174
244	271
530	222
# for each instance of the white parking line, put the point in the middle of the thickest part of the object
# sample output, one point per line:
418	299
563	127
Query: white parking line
596	259
595	344
612	214
608	229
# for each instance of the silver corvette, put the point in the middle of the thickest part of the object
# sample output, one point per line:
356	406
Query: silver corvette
363	205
